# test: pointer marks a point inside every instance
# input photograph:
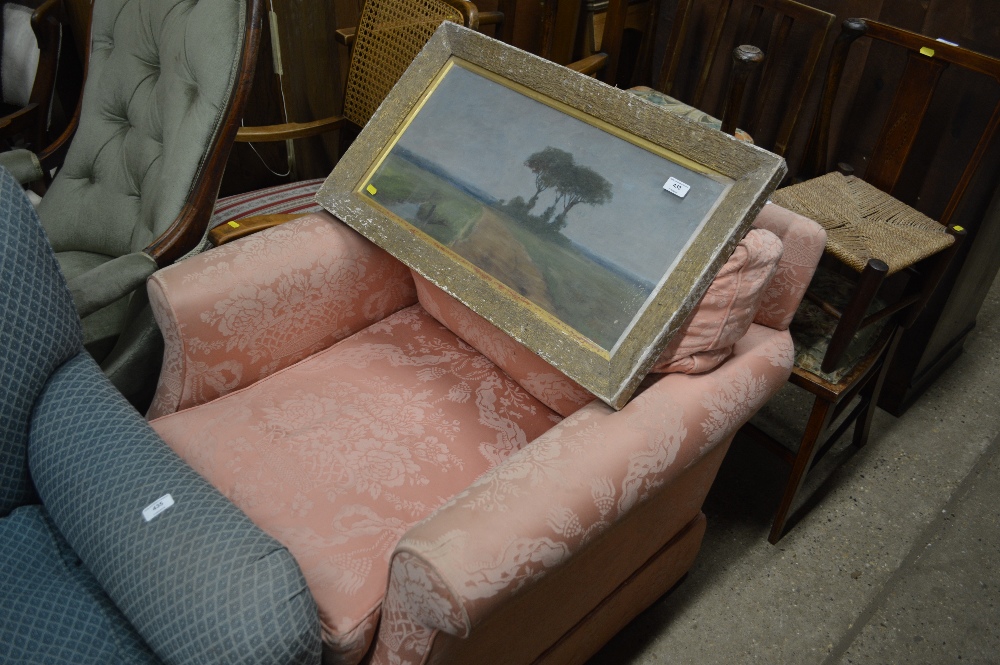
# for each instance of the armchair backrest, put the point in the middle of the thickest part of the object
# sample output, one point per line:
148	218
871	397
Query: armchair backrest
164	87
39	331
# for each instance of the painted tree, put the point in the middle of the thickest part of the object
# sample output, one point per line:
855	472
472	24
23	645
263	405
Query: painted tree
547	164
573	184
580	185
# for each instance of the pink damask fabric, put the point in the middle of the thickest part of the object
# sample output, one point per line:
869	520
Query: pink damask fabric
338	455
542	380
532	513
237	313
804	241
725	312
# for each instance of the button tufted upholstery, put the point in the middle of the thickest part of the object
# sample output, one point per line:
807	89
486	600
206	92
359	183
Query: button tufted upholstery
164	88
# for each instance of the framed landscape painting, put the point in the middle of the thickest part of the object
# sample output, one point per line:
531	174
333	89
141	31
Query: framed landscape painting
582	221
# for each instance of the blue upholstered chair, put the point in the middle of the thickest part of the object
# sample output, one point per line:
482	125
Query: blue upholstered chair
85	577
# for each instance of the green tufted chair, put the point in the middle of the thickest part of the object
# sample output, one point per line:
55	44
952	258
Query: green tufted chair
165	87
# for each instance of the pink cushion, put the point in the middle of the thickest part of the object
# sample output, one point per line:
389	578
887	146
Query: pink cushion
338	455
547	384
726	310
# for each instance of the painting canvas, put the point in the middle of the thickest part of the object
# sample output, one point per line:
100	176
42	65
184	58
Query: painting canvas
570	216
580	220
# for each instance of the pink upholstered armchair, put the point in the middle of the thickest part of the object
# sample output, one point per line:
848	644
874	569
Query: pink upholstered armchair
449	496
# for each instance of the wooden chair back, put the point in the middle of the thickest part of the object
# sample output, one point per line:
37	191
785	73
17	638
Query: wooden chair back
903	128
790	34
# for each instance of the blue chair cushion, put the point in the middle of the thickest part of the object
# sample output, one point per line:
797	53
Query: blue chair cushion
39	330
53	610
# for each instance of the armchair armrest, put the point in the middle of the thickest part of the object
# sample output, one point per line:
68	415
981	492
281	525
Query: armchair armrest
530	517
804	241
590	65
108	282
289	130
237	313
24	165
234	230
199	581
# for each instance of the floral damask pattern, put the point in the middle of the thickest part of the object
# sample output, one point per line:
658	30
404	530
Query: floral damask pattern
237	313
418	485
338	455
542	380
588	472
804	241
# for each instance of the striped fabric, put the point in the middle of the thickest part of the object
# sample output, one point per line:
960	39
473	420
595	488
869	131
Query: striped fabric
289	198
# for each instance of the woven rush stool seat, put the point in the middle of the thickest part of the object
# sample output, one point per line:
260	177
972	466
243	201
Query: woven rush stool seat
862	222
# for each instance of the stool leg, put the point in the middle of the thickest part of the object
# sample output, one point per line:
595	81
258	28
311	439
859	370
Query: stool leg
818	420
871	392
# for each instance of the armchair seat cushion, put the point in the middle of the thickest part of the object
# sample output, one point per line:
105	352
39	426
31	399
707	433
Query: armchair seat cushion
53	609
340	454
100	329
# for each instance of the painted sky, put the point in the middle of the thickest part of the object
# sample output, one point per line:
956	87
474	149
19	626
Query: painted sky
481	132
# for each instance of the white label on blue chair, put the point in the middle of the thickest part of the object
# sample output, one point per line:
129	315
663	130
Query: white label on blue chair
676	187
157	507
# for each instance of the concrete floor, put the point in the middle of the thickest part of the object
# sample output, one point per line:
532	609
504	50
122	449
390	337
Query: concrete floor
897	561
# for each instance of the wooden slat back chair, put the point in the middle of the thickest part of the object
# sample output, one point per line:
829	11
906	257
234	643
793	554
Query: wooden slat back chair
789	33
895	254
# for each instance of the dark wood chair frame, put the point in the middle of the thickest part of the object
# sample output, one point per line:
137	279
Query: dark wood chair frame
31	121
787	14
927	59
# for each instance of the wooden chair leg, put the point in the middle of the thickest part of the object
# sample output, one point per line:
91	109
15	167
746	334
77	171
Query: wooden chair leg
871	392
871	280
818	420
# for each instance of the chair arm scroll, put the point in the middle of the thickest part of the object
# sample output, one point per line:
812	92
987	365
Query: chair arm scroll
804	241
535	514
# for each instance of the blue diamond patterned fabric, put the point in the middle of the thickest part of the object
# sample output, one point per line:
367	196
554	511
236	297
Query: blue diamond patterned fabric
199	581
53	611
85	577
39	330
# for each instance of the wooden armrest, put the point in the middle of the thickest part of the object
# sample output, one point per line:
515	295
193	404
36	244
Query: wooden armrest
346	36
490	18
20	120
591	64
238	228
290	130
